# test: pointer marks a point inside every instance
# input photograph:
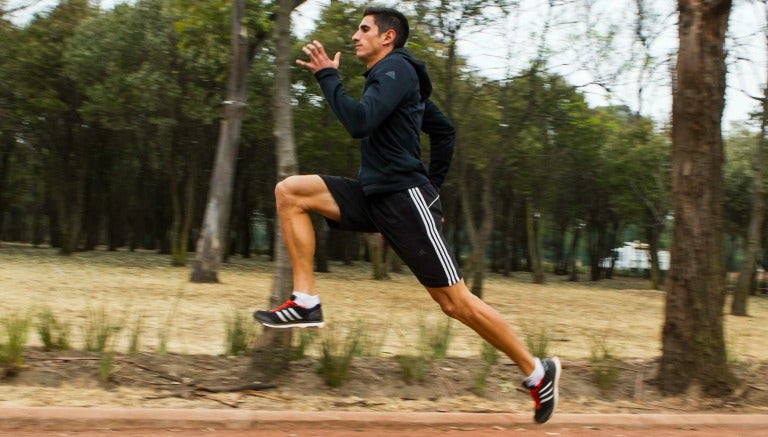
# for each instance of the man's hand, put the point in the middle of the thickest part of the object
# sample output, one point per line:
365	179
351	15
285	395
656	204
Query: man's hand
318	59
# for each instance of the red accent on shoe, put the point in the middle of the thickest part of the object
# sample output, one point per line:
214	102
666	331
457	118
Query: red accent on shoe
287	304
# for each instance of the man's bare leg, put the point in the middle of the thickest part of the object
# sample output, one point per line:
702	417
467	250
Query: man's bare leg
459	303
541	376
296	196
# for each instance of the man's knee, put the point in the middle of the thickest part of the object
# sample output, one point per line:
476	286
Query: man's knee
453	302
285	191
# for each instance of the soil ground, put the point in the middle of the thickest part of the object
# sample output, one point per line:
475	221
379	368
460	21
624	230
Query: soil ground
612	431
621	313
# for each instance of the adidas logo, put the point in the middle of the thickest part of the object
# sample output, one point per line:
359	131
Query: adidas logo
391	74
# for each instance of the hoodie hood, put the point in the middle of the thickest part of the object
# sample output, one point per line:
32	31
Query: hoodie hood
425	83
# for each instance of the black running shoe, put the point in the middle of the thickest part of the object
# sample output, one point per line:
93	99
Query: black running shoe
291	315
545	393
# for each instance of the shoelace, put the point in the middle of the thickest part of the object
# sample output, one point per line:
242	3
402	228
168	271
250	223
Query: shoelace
286	304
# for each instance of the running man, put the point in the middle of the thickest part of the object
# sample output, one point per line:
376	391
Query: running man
394	194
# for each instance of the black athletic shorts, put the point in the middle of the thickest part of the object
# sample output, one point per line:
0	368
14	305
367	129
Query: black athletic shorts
410	221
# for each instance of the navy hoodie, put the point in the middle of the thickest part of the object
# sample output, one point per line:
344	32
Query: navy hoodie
393	110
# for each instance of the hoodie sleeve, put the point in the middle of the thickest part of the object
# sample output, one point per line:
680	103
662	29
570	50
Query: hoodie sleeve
442	136
386	87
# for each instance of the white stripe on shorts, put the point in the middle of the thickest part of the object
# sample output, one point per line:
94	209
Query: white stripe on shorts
434	236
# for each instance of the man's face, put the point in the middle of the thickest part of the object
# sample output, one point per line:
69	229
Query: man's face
369	45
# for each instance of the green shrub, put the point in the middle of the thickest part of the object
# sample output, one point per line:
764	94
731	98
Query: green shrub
537	342
303	341
107	367
100	330
53	334
605	367
164	333
12	350
240	332
413	368
438	338
337	352
490	356
134	343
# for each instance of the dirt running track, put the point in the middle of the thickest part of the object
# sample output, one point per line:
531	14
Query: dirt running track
104	422
373	431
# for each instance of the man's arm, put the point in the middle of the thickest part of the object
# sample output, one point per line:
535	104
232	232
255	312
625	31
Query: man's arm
385	89
442	137
381	97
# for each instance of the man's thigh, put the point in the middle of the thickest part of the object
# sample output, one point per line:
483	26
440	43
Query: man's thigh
353	207
310	193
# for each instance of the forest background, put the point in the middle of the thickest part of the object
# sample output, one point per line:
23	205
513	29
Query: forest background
110	119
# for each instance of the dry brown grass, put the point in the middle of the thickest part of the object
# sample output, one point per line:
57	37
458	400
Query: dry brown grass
623	311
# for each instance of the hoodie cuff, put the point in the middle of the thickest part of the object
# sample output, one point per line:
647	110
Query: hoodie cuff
325	72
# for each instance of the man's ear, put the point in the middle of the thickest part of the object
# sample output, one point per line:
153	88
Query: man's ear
389	37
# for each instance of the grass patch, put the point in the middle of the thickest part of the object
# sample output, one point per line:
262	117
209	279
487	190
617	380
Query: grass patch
537	341
134	340
337	351
16	329
413	368
438	338
240	332
490	356
107	367
53	333
302	342
100	329
605	365
432	344
164	333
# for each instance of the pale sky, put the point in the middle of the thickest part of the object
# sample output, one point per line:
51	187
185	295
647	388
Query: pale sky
511	44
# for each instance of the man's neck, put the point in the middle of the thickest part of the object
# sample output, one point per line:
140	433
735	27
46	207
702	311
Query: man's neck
383	55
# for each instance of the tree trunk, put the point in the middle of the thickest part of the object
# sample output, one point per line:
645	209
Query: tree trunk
692	338
183	210
574	277
273	347
745	283
212	240
376	248
652	235
533	225
321	243
7	144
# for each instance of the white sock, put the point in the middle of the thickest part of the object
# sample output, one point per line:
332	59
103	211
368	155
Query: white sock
536	376
306	300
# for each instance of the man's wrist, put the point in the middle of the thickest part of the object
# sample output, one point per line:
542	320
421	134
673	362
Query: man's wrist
325	72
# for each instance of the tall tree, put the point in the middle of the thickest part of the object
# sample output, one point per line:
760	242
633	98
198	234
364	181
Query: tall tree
693	343
212	240
272	350
8	36
211	243
51	102
746	280
448	21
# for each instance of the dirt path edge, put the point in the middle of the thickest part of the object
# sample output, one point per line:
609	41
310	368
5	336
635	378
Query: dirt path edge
52	418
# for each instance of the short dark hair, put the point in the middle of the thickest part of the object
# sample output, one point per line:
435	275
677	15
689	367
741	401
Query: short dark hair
389	18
